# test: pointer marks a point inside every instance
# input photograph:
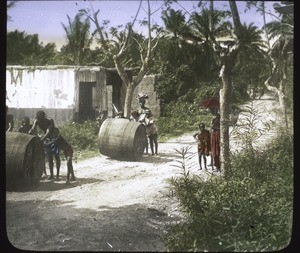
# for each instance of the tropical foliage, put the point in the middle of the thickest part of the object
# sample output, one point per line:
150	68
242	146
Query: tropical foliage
250	211
24	49
79	40
189	57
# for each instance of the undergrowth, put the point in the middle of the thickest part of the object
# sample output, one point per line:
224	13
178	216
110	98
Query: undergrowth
180	118
250	211
83	137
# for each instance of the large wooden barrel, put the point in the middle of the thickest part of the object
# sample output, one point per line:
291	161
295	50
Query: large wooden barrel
122	139
25	160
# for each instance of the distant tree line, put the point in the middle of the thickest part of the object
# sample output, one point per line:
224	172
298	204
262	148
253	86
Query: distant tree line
188	57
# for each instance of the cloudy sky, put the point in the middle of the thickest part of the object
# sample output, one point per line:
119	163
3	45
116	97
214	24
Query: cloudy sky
45	18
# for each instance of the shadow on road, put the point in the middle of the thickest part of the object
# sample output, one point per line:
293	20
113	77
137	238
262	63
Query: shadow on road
56	185
128	228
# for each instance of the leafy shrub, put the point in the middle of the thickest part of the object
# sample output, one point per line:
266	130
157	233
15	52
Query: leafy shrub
180	118
249	211
83	137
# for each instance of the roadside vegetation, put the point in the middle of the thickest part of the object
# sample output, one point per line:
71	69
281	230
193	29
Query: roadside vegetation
249	211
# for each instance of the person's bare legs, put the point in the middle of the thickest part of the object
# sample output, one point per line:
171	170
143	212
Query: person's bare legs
50	162
70	170
200	161
204	159
57	161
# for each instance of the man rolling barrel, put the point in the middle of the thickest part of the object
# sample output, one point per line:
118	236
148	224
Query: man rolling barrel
52	137
47	125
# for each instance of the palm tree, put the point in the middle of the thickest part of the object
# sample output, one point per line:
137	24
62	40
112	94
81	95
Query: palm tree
252	61
79	39
280	53
209	27
248	40
175	23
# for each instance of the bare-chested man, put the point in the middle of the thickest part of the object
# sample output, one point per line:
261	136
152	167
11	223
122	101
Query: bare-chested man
52	139
47	126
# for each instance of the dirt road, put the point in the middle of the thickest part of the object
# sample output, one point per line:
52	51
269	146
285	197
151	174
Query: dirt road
113	206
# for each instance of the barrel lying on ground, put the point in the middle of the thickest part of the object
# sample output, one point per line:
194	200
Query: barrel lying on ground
122	139
25	160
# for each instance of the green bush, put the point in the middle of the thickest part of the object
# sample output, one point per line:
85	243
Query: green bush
249	211
83	137
180	118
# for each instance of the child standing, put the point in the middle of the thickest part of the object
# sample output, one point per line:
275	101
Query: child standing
203	138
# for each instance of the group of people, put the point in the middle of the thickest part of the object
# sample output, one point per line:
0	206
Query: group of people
209	143
144	116
52	140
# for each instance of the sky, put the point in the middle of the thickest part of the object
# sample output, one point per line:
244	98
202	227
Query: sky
45	18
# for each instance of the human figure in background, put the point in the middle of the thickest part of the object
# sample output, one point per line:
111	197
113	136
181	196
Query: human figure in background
203	139
143	111
9	121
26	126
152	132
134	116
142	97
215	142
120	115
47	126
101	117
96	113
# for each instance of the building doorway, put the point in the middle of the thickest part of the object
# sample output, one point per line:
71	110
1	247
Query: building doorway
86	110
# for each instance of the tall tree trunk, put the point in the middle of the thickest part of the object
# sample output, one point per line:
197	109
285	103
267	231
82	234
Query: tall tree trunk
282	90
211	10
264	19
226	92
225	100
128	99
119	56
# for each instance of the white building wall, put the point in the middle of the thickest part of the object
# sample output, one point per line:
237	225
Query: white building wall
40	88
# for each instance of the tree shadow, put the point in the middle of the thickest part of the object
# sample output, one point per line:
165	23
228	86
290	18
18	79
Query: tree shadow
143	159
134	227
155	159
56	185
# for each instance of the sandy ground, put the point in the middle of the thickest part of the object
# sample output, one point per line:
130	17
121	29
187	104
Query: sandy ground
113	206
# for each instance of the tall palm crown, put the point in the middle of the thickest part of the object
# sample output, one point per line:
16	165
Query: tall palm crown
283	33
79	37
209	25
174	22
